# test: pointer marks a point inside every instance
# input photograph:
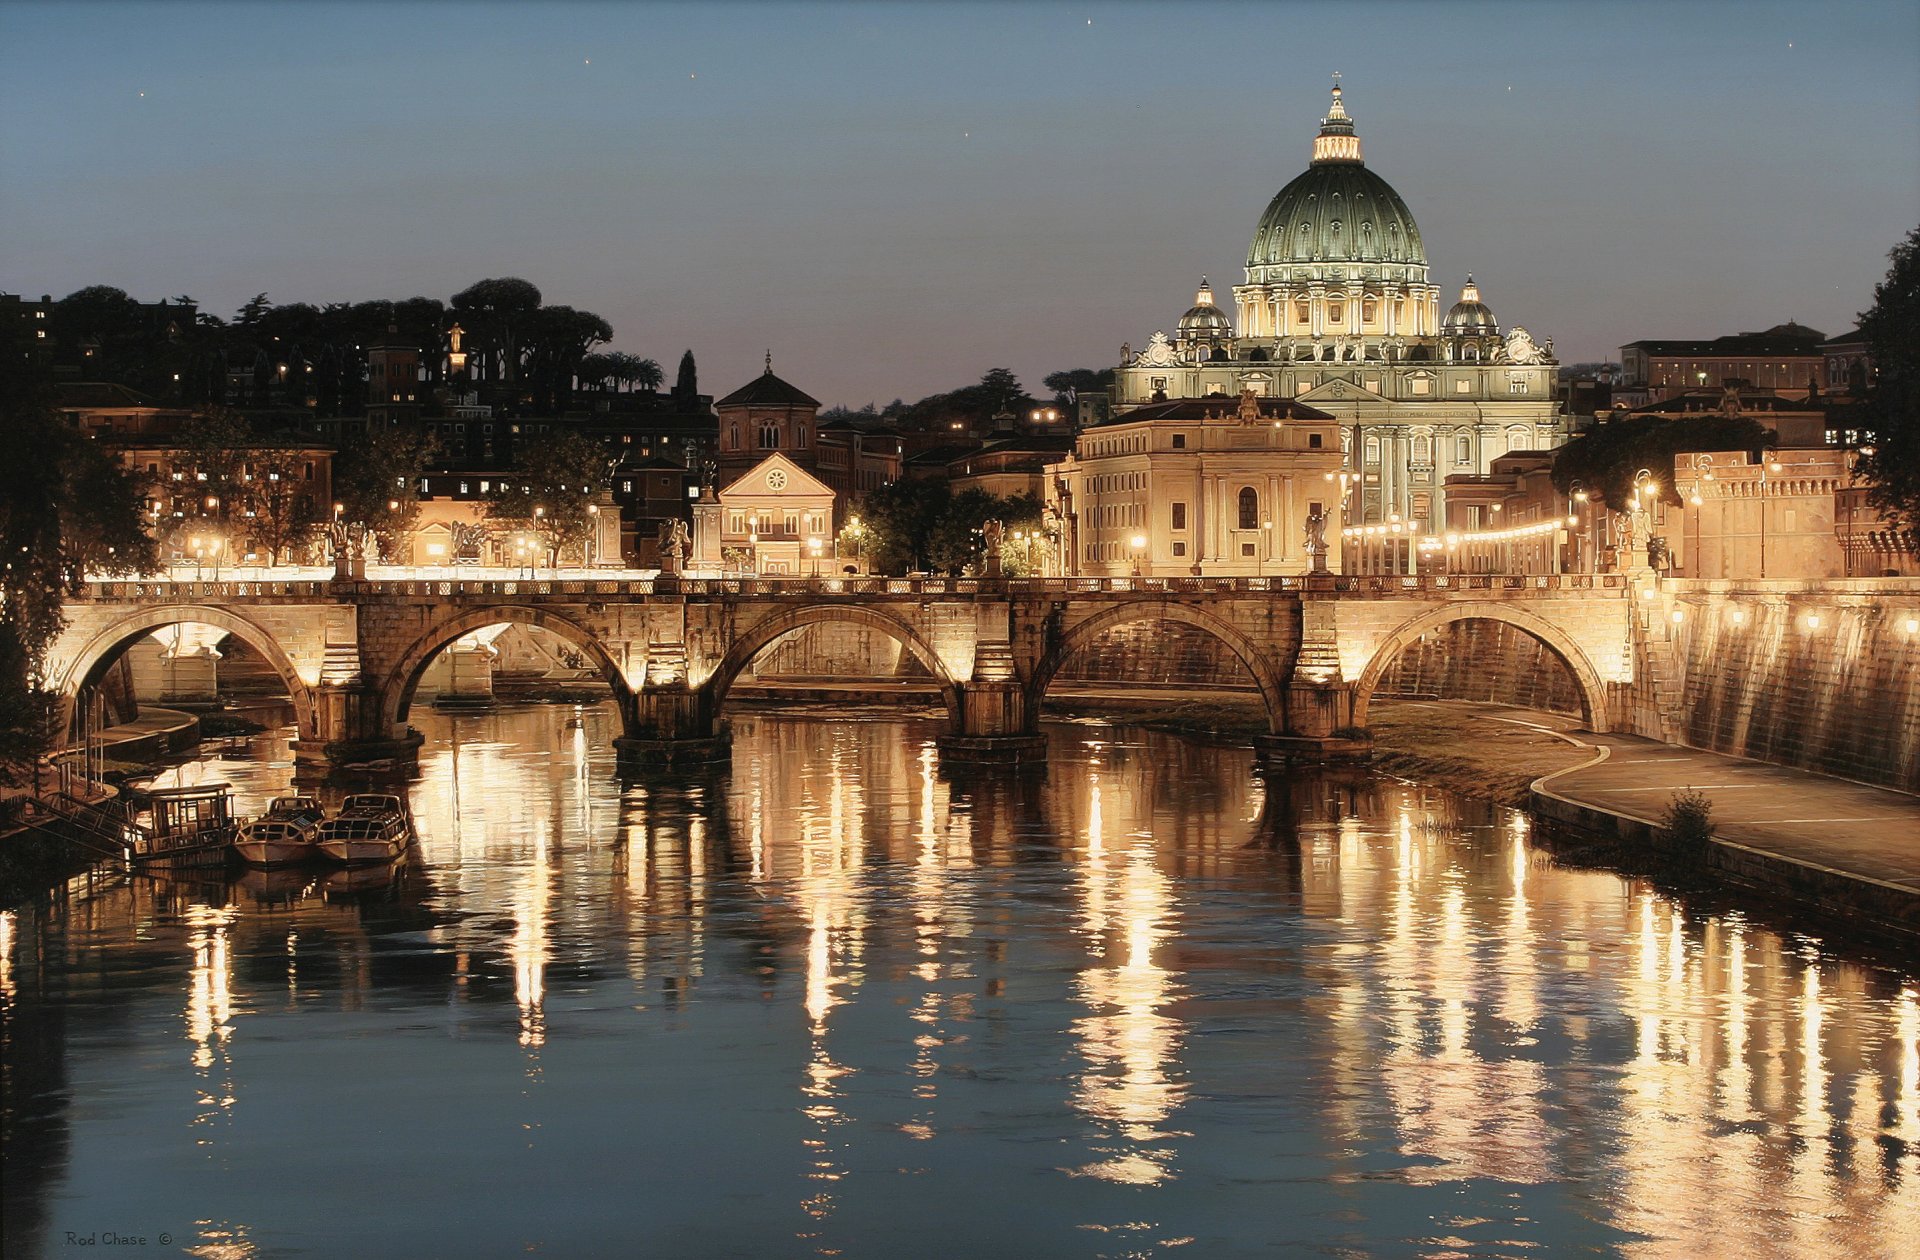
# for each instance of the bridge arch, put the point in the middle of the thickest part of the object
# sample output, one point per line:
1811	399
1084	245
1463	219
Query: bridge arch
1272	685
1586	679
397	688
741	652
89	661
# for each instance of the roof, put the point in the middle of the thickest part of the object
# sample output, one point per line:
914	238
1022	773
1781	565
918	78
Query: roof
653	463
1713	401
1767	344
1846	340
98	394
793	480
768	390
1216	407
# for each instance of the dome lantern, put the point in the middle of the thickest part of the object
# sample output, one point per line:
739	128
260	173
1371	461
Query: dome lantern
1337	141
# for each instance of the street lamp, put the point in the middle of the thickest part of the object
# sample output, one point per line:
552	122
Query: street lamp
813	553
1139	552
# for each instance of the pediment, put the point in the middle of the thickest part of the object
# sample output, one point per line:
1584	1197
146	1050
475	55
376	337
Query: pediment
778	475
1340	391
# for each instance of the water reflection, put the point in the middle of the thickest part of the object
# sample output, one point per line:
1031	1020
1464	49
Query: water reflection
836	1002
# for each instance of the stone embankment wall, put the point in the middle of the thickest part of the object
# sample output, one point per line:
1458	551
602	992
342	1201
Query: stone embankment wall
1822	675
1489	661
1156	653
837	650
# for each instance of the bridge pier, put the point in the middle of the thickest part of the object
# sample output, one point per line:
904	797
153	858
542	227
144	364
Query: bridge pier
1319	727
345	730
996	727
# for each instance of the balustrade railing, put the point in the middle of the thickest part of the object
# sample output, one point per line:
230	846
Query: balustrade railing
195	591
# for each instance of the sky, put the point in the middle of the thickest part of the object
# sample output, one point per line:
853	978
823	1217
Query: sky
895	198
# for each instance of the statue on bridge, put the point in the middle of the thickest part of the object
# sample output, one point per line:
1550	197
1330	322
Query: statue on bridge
1317	540
673	546
349	541
990	532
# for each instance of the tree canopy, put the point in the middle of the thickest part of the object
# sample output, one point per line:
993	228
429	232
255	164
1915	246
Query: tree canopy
67	508
1605	459
1891	408
554	491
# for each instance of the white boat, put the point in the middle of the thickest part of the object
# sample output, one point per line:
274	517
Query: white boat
370	827
282	836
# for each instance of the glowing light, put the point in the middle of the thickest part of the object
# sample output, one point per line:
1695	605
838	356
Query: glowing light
1913	625
1678	616
1813	621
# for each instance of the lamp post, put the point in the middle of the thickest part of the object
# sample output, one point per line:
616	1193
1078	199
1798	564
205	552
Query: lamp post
1644	490
813	554
1139	552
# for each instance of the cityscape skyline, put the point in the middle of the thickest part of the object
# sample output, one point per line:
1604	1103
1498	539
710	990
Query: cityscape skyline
889	226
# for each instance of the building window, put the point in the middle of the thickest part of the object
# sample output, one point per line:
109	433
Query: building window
1246	549
800	437
1249	508
1421	385
1373	450
1179	516
1179	549
733	437
736	522
1422	449
1313	441
769	437
1462	386
1302	314
1516	386
1463	451
1179	441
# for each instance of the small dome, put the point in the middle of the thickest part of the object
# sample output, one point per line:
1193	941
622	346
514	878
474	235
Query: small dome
1470	315
1203	319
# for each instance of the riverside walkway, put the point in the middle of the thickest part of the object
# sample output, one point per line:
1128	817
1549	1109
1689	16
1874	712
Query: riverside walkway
1848	848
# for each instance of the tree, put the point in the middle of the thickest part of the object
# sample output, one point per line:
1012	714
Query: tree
67	508
1891	408
686	385
1068	386
375	477
494	312
554	492
253	312
280	512
1605	459
957	541
899	519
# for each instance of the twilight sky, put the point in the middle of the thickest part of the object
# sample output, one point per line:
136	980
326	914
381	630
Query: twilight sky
896	198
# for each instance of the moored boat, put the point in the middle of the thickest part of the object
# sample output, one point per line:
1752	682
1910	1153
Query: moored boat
370	827
282	836
183	826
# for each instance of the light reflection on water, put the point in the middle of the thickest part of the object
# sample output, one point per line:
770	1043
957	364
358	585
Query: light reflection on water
835	1004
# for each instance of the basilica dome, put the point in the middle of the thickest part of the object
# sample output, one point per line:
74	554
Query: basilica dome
1336	211
1470	314
1203	319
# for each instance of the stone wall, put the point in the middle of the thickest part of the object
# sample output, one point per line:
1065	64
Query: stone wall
837	649
1820	675
1482	660
1157	653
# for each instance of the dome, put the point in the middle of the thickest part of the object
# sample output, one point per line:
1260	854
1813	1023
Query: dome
1470	315
1336	211
1203	319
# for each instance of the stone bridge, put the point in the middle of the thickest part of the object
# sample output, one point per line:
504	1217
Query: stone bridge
352	652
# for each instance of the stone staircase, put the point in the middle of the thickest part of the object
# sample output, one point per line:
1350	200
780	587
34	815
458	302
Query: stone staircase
1657	673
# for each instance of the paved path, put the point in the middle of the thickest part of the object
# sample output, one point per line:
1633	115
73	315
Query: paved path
1847	827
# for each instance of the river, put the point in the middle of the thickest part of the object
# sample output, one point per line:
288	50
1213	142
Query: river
833	1004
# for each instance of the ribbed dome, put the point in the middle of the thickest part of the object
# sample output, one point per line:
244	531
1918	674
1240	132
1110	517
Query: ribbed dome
1204	319
1337	210
1470	314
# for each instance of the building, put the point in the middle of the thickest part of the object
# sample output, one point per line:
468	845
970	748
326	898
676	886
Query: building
1199	486
775	519
1787	356
1338	312
1848	364
1009	464
763	416
1796	418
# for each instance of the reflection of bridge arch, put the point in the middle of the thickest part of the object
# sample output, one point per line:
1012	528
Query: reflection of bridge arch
397	688
1593	692
1272	687
90	662
761	636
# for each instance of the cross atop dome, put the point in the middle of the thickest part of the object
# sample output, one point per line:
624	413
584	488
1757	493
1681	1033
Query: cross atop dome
1336	141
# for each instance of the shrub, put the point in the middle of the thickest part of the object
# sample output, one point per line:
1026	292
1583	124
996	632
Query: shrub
1688	821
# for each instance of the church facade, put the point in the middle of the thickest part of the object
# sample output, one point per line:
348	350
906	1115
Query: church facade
1338	313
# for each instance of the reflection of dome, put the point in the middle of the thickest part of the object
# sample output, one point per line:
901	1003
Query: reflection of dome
1204	320
1471	315
1336	210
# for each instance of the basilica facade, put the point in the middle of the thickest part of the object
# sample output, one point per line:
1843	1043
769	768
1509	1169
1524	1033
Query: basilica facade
1338	313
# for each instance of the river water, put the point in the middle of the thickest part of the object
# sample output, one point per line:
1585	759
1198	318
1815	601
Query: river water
834	1004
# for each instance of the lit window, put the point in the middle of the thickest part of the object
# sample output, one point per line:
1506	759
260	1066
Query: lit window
1249	508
